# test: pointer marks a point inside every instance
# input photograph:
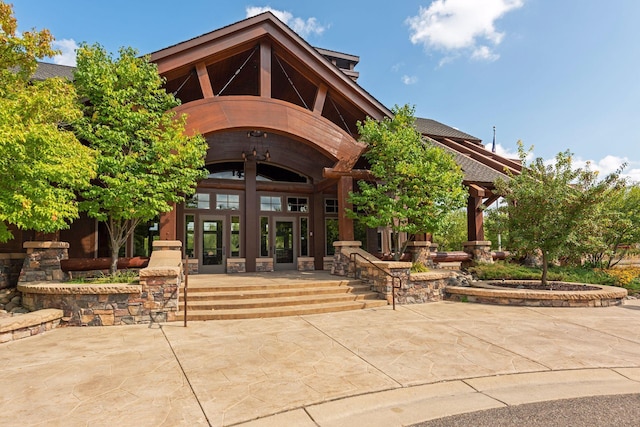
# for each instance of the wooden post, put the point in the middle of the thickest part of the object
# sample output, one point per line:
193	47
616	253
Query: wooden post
345	225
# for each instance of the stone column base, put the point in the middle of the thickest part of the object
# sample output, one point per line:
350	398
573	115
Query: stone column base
480	251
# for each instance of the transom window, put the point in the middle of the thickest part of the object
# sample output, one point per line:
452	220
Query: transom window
199	201
331	206
298	204
270	203
228	201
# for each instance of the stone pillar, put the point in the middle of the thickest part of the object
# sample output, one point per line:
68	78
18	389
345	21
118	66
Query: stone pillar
341	259
419	251
161	281
42	262
10	265
480	251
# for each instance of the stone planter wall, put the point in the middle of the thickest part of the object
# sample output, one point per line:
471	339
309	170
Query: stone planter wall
10	266
42	262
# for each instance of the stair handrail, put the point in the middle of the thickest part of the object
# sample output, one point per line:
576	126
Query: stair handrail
352	258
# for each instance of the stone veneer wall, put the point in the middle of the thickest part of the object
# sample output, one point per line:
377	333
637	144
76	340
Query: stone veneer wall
154	299
42	262
414	288
27	325
10	266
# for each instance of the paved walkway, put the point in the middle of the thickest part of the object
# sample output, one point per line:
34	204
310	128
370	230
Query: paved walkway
373	367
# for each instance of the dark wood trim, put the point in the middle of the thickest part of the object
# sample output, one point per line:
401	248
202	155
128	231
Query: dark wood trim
251	231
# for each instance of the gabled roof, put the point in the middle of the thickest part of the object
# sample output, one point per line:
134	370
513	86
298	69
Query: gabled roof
188	53
478	164
46	70
434	128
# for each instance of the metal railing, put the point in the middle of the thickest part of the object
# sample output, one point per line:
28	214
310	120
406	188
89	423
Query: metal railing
352	258
186	285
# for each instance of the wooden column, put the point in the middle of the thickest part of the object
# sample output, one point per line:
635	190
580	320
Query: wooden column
345	225
265	70
317	227
251	230
168	224
203	78
475	219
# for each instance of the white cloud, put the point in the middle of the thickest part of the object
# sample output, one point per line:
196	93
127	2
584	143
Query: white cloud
409	80
68	48
461	25
610	164
303	27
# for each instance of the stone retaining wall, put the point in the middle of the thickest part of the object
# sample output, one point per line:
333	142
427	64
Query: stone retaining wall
605	296
29	324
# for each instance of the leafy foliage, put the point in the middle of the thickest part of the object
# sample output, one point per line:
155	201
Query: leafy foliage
509	271
550	207
145	161
617	231
41	163
454	232
416	183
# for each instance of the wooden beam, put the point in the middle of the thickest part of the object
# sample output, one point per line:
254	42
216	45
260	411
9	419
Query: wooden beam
324	185
476	191
321	97
265	69
205	82
353	173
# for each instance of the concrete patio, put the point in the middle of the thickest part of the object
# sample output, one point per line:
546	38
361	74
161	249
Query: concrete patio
374	367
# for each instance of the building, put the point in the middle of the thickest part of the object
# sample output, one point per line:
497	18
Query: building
280	119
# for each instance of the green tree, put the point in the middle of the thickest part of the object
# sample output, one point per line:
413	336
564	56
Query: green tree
145	161
550	207
496	224
416	183
454	233
42	164
617	230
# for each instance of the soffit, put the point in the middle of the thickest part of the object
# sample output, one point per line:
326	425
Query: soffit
244	35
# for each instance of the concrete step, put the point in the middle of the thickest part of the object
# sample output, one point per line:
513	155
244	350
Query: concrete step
261	285
296	310
241	300
217	304
273	293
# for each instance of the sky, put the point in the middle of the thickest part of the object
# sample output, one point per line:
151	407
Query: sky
556	75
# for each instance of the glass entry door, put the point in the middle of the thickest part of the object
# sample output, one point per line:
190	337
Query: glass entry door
285	253
213	257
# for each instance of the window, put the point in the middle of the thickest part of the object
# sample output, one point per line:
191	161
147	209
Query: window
235	236
297	204
331	234
198	201
304	236
189	233
271	203
228	202
264	236
143	237
331	206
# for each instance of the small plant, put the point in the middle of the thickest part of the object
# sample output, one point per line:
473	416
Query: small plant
122	276
418	267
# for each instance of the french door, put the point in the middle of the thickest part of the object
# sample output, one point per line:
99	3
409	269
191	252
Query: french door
213	240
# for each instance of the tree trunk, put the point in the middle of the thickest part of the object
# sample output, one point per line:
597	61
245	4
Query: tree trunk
545	267
113	269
